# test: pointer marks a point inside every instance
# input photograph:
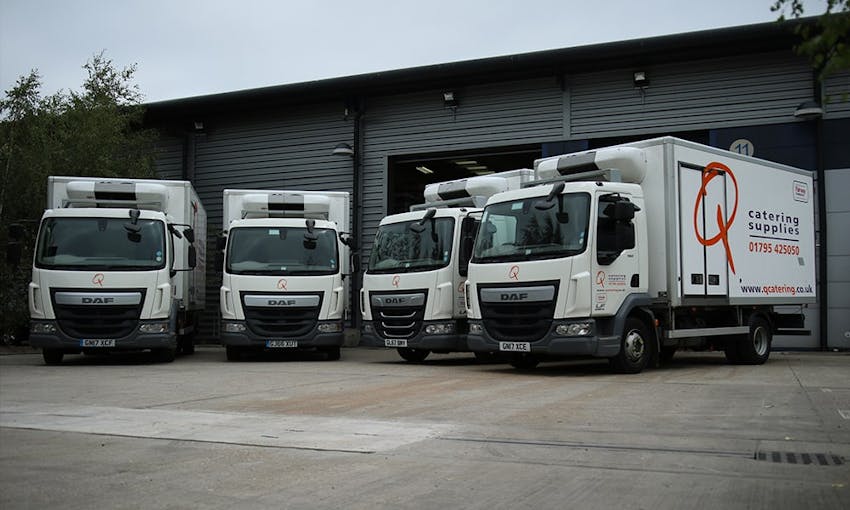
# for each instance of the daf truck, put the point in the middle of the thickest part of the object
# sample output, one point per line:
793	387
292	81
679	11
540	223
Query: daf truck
285	271
118	265
634	251
413	289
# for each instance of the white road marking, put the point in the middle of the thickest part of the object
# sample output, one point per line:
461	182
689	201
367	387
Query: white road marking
304	432
845	413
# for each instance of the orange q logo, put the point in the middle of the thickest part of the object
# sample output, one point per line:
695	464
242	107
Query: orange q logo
281	284
98	279
396	280
711	171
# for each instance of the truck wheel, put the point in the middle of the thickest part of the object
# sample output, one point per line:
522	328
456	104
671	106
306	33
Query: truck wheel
233	353
413	355
486	357
186	344
165	355
524	361
331	352
667	353
756	348
730	348
634	348
52	356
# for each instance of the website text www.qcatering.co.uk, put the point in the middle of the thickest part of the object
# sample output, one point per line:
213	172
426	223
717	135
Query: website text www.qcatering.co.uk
768	290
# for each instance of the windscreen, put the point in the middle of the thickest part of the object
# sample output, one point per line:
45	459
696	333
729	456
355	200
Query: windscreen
532	229
101	244
401	249
281	251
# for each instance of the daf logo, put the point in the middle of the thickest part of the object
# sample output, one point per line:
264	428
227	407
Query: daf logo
97	300
395	300
514	296
281	302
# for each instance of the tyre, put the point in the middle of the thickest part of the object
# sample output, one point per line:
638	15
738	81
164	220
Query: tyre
233	353
756	348
186	344
486	357
730	348
635	348
413	355
52	357
165	355
667	353
524	361
331	352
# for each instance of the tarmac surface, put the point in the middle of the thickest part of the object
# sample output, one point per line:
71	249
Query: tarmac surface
372	431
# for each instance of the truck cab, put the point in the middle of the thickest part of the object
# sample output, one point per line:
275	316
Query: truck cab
285	271
413	289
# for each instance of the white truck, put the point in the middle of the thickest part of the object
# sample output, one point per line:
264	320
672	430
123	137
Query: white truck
413	289
118	265
633	251
286	271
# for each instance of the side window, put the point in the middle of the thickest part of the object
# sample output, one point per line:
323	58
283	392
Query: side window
615	230
468	229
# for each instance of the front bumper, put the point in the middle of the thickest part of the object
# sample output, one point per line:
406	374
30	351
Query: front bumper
58	340
437	343
552	344
311	340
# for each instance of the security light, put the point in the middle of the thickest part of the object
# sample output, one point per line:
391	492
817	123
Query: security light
343	149
641	80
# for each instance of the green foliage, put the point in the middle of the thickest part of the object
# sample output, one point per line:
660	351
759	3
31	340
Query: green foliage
826	42
94	132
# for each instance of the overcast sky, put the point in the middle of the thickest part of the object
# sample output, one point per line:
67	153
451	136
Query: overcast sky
186	48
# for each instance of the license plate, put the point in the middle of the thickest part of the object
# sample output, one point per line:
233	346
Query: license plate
97	342
515	346
281	344
393	342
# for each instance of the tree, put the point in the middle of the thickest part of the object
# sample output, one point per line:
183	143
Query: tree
95	132
826	42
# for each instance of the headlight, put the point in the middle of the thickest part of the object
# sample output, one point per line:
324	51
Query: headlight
574	329
440	329
330	327
476	329
234	327
154	327
42	327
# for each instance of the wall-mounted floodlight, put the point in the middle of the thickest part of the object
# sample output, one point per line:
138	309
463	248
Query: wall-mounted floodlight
343	149
809	110
449	99
198	126
640	79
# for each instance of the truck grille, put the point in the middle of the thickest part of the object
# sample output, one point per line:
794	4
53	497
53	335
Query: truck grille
519	321
98	321
294	321
395	321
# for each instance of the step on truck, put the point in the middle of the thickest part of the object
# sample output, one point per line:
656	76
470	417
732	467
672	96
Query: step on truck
285	271
118	265
413	288
634	251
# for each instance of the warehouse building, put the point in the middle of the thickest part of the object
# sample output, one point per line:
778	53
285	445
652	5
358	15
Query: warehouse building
383	136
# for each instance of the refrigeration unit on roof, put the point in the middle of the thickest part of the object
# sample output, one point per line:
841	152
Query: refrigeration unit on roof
285	205
472	191
141	195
